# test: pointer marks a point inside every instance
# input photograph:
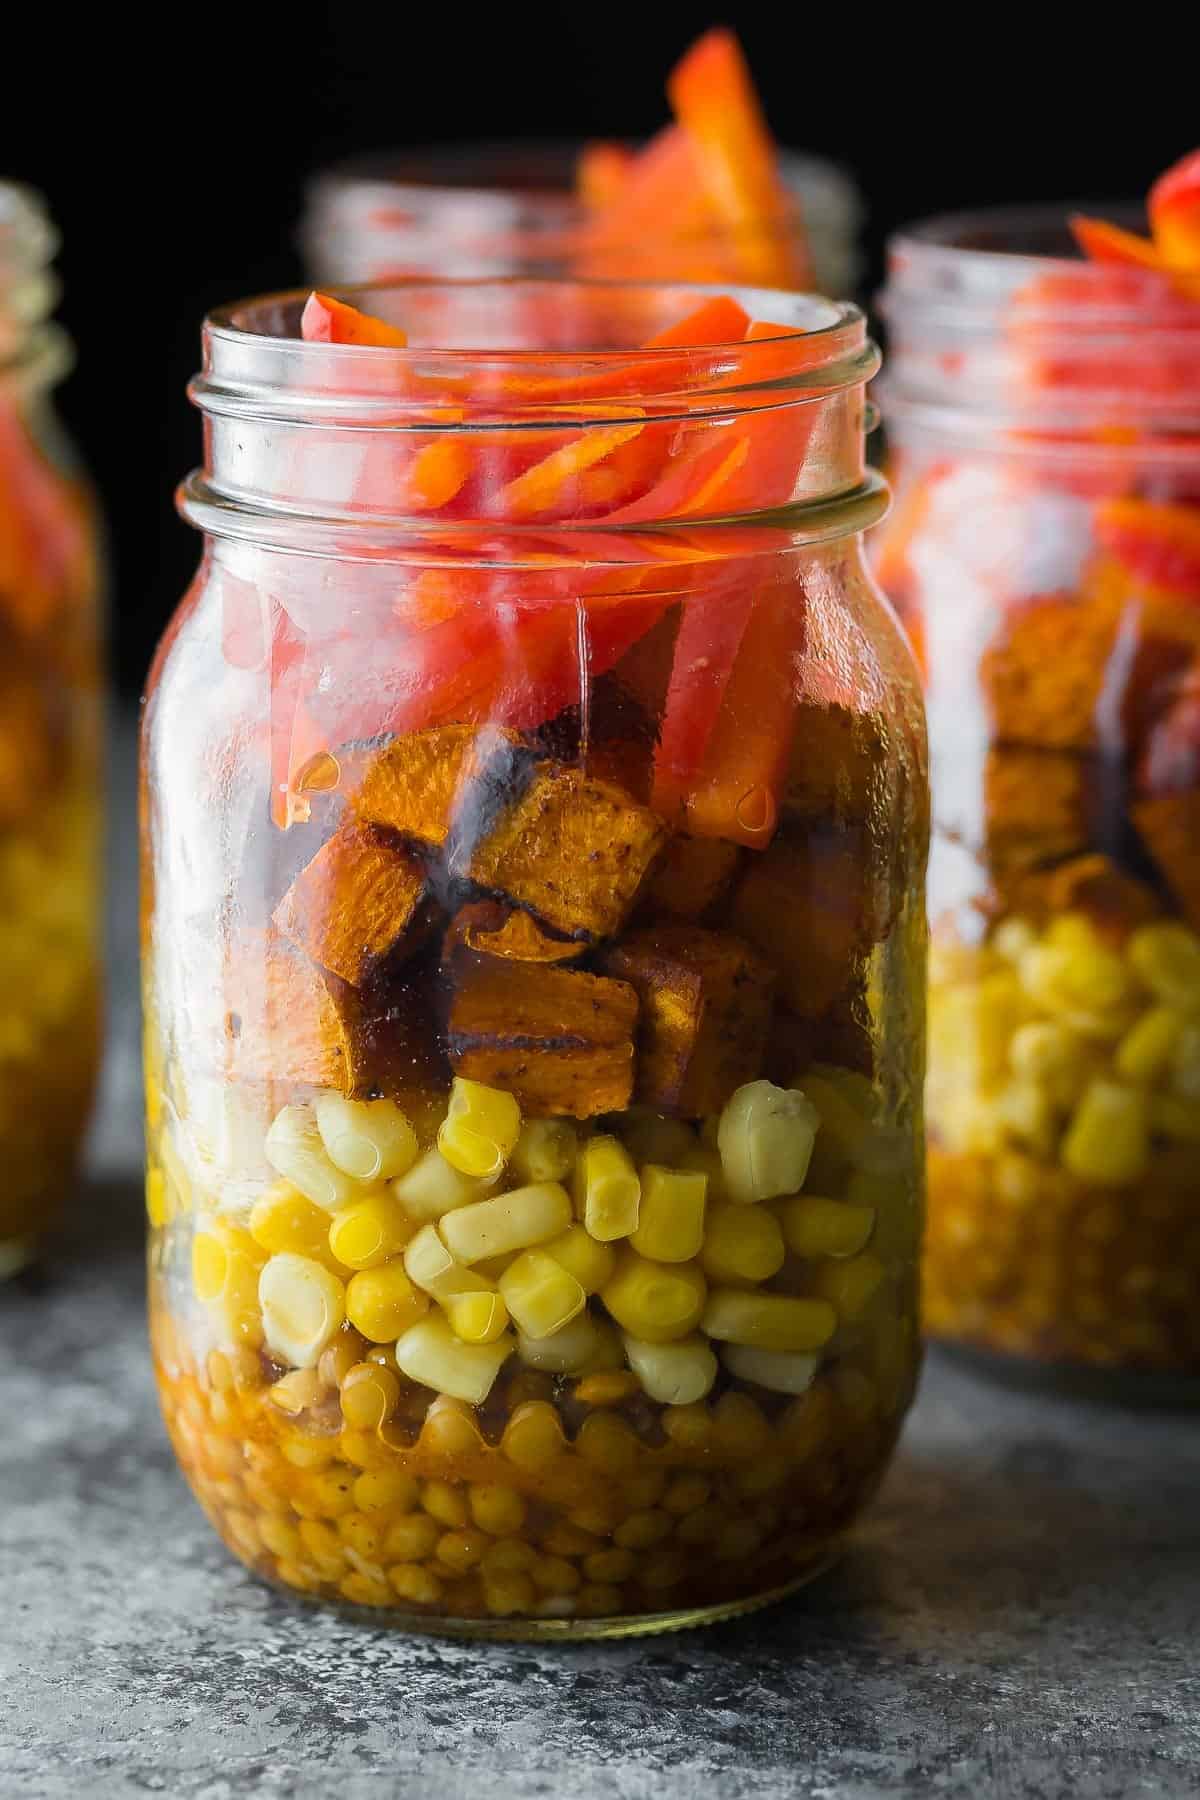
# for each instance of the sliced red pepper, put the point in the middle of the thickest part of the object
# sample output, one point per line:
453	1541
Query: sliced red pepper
662	190
1158	542
713	97
711	628
329	321
1174	208
601	173
1105	243
288	647
736	791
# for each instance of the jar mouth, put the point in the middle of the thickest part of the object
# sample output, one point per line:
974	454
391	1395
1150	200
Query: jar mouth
997	323
515	350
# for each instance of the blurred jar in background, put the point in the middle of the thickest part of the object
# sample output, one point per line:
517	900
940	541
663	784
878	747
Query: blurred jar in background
513	209
1044	550
50	752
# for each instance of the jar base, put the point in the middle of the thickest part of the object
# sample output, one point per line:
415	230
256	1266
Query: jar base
1155	1390
565	1631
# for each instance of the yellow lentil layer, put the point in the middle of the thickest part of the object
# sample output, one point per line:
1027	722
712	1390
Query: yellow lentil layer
1064	1166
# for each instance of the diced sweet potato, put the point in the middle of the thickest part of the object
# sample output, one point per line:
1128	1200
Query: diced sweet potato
692	875
705	1011
356	903
291	1023
813	906
560	1040
1038	807
1169	824
500	930
1115	902
836	766
415	784
573	850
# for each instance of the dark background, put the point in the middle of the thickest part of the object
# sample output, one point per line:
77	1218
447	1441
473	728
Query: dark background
173	148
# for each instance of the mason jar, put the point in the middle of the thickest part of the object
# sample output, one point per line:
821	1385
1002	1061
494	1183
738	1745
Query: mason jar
535	815
51	785
1044	551
512	209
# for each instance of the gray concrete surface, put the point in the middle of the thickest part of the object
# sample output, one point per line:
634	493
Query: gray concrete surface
1020	1617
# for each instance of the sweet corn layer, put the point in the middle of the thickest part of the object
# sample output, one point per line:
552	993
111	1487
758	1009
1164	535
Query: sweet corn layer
609	1390
1064	1170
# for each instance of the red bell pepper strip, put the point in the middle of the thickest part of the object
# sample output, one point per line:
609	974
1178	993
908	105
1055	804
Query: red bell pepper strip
1158	542
601	173
1105	243
662	190
713	97
711	628
1174	208
288	647
736	791
329	321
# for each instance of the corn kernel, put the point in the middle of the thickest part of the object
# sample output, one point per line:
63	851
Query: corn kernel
368	1139
813	1226
1185	1063
545	1151
597	1600
849	1286
766	1139
1166	956
741	1244
506	1595
1012	937
283	1219
554	1575
446	1503
512	1221
157	1203
581	1347
688	1427
655	1301
369	1396
740	1432
1083	983
477	1318
369	1231
434	1187
676	1374
382	1303
431	1355
449	1429
685	1494
606	1442
461	1550
480	1130
611	1387
768	1321
508	1556
782	1371
843	1120
670	1225
607	1189
496	1509
1107	1139
430	1266
295	1392
642	1530
540	1294
591	1263
1027	1114
1145	1051
650	1138
303	1305
706	1161
294	1148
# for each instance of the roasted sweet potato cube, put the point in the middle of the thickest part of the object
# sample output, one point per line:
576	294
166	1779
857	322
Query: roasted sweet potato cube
291	1023
813	906
1038	807
705	1012
499	930
357	903
837	763
691	877
416	784
558	1039
573	850
1169	825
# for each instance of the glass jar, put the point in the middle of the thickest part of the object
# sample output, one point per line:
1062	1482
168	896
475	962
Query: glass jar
50	753
1045	552
511	209
534	961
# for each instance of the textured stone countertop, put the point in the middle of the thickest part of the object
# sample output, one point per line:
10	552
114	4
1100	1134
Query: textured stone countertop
1019	1617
